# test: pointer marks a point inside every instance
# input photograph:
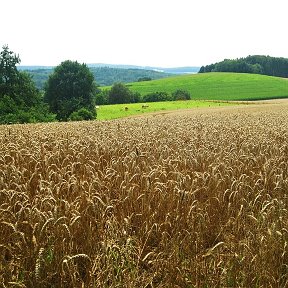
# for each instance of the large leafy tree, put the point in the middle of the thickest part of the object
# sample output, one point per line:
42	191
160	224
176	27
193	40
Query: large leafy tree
20	101
69	89
9	75
119	93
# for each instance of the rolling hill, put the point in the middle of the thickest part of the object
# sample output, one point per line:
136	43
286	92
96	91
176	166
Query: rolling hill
219	86
108	74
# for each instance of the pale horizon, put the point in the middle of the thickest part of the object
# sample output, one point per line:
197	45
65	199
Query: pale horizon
154	33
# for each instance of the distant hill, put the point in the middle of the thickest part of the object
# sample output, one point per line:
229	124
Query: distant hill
258	64
218	86
107	74
103	75
181	70
29	68
173	70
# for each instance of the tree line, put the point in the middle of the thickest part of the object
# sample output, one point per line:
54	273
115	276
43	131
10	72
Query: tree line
257	64
121	94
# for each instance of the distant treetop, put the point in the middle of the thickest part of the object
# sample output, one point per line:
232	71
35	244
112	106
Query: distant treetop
256	64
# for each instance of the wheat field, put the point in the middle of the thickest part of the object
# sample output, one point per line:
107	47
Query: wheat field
191	199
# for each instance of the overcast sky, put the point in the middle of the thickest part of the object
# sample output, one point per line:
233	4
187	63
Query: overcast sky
163	33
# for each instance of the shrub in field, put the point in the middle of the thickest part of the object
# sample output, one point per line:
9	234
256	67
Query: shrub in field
82	114
141	79
102	97
120	93
181	95
157	97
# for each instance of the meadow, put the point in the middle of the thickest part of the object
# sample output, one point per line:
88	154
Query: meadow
108	112
219	86
187	199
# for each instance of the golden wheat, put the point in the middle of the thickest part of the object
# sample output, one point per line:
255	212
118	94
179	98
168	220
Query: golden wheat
188	200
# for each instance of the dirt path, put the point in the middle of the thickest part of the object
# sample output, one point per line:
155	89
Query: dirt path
240	106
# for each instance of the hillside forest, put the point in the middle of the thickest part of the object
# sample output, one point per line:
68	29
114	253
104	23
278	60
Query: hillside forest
106	76
266	65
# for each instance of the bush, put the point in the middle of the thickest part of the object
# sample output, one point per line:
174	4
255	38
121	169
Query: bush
102	97
141	79
82	114
181	95
135	97
11	113
157	97
119	94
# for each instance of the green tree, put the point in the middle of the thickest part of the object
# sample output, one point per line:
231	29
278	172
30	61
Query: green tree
119	93
20	101
69	88
181	95
82	114
101	97
157	97
9	74
273	66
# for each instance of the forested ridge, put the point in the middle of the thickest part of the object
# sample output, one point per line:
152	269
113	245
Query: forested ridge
105	76
266	65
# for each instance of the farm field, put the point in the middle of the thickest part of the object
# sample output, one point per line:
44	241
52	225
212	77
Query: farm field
219	86
108	112
192	198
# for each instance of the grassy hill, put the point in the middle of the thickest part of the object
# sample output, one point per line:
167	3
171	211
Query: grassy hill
219	86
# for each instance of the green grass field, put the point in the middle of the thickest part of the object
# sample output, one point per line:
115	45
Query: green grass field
206	86
107	112
219	86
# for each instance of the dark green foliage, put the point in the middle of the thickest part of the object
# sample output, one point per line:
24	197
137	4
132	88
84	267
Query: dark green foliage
9	75
82	114
181	95
157	97
102	97
20	101
266	65
70	88
105	76
135	97
270	65
119	93
40	76
144	79
207	68
39	113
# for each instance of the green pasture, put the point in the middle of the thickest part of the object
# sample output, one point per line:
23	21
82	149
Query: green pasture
107	112
219	86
